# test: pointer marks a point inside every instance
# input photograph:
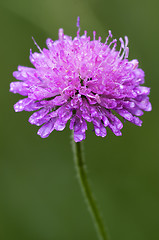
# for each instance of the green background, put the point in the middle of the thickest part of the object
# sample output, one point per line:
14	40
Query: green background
40	197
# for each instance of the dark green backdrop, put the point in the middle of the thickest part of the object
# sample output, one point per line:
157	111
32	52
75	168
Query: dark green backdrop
40	197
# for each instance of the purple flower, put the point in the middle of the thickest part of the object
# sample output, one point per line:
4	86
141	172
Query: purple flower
81	80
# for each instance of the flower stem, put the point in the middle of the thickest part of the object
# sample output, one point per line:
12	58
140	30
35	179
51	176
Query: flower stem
83	180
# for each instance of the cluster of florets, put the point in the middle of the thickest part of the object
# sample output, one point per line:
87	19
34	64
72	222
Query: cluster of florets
81	80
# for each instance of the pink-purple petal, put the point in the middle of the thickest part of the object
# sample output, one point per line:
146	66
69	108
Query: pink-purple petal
46	129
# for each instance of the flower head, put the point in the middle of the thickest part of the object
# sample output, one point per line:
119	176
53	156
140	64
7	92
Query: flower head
81	80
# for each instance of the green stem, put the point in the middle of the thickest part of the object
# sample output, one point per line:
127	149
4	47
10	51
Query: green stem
83	180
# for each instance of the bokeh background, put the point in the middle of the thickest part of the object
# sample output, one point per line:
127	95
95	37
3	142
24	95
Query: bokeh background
40	197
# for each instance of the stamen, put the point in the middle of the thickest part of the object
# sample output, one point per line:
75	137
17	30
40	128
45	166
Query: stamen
122	42
65	89
121	46
114	41
78	25
94	35
126	47
37	45
125	52
61	34
78	22
49	42
126	41
115	44
110	35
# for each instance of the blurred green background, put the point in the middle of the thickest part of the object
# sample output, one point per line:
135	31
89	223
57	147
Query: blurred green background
40	197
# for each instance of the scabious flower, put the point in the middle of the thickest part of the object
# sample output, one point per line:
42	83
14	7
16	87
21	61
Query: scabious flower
81	80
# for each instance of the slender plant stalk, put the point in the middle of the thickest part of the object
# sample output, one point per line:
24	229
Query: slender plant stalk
83	180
